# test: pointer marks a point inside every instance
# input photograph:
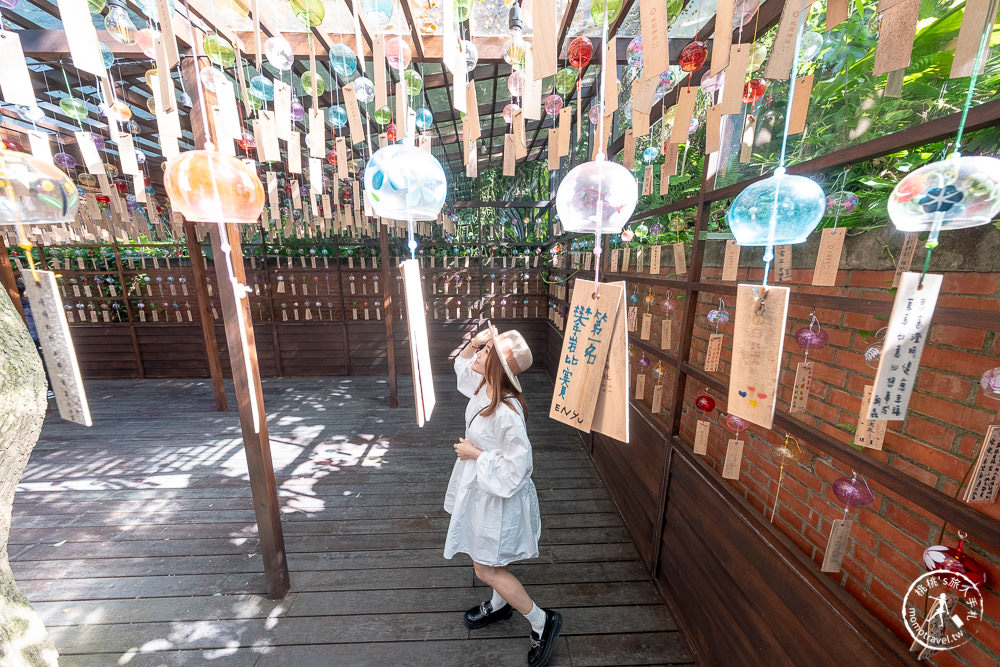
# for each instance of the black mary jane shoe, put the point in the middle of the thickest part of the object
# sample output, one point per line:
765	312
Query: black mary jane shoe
541	647
482	615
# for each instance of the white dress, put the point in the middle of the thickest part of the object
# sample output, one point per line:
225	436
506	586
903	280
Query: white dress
492	500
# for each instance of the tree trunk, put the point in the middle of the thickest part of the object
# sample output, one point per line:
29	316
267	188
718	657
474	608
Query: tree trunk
23	639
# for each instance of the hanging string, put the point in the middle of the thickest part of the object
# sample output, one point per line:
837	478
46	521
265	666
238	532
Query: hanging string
598	249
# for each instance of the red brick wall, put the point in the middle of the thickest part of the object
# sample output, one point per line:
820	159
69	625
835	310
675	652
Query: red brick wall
947	420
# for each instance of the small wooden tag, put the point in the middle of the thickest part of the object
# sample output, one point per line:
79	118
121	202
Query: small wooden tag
553	150
713	353
654	260
911	316
565	126
731	263
800	104
647	180
800	390
836	545
626	259
647	323
615	255
657	399
734	460
985	479
628	158
640	386
701	437
831	246
633	316
910	240
782	263
587	260
664	180
508	155
680	259
869	432
666	333
746	141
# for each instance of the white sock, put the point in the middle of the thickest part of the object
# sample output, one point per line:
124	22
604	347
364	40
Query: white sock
497	601
537	619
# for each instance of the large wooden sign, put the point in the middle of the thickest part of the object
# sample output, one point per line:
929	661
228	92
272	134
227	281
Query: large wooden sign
420	357
57	345
909	325
758	339
590	329
612	410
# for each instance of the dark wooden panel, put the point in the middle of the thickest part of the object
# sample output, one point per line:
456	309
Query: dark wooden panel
723	567
633	473
104	351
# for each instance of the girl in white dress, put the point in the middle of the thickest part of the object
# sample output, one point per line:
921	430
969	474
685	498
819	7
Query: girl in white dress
491	498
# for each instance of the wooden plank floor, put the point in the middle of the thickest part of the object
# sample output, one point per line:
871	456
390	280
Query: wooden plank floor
135	539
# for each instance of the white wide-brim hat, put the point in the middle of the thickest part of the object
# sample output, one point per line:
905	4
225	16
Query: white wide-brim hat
514	353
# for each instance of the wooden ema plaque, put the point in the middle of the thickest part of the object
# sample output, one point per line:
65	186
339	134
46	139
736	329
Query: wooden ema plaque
831	246
836	545
731	263
713	353
782	263
640	386
611	414
420	358
800	390
57	345
869	432
680	259
589	332
654	260
734	460
985	479
657	404
910	240
701	437
647	324
907	332
666	333
758	339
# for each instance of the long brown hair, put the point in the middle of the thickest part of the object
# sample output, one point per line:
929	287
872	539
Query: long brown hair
503	388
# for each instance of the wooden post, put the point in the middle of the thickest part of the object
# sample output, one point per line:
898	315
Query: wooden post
9	281
205	313
383	240
246	379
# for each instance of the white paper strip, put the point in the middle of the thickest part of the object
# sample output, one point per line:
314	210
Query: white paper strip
15	82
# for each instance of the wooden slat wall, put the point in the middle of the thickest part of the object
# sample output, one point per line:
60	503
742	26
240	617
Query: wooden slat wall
105	351
723	567
633	474
172	351
740	574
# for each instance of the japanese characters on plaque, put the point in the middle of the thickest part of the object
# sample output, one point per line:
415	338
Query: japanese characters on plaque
713	353
640	386
584	352
666	333
701	437
985	479
758	339
633	317
654	260
869	433
907	332
782	263
836	545
615	255
626	259
800	390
